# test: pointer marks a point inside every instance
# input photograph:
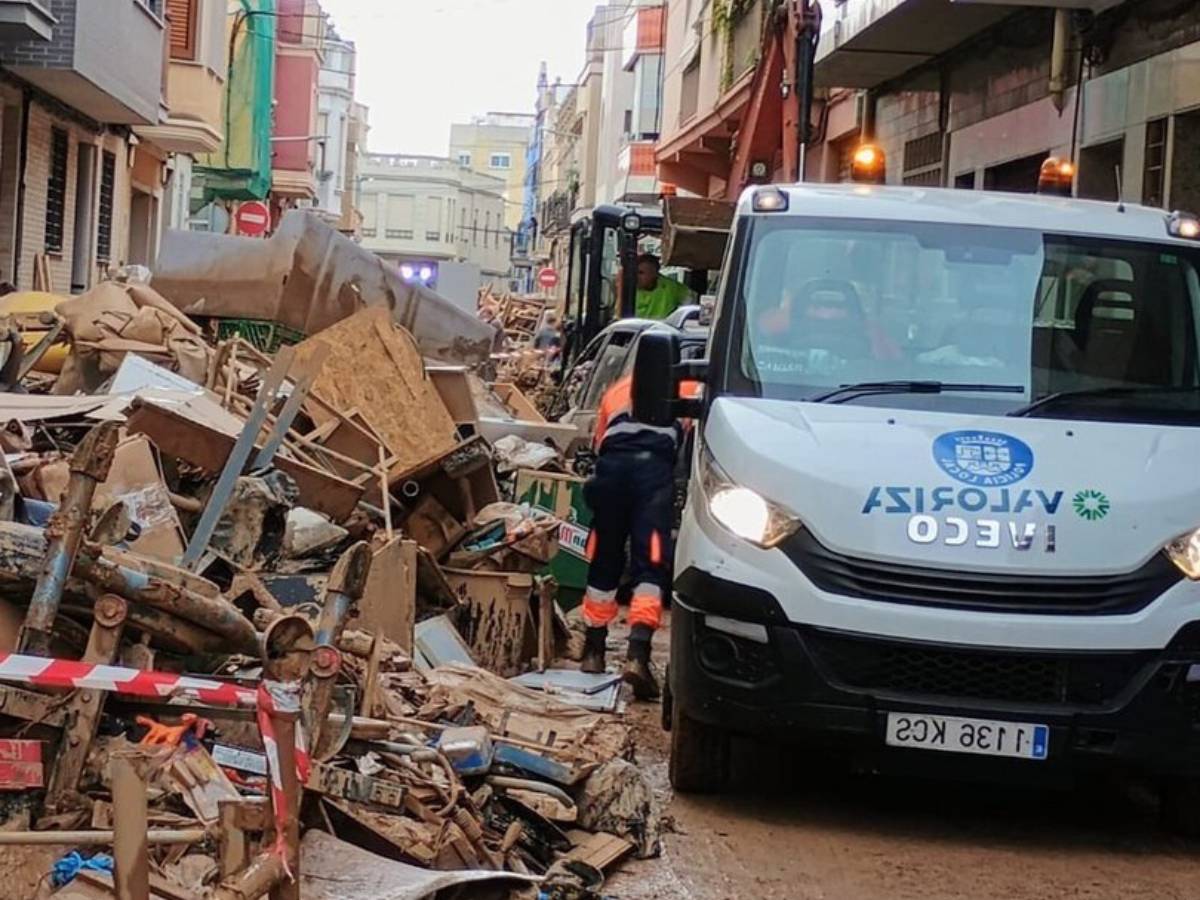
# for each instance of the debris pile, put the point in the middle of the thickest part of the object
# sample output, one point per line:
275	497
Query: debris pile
259	604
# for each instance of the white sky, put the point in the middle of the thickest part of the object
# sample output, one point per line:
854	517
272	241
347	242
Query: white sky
423	64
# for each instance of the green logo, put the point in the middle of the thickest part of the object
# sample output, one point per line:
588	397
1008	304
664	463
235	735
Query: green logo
1091	505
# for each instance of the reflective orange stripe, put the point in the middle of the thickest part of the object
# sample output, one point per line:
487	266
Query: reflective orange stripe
646	609
590	552
599	611
655	549
617	399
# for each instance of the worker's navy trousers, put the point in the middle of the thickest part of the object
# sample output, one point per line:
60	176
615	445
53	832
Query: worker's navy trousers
632	497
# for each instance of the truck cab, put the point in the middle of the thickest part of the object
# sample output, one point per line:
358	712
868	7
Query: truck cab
944	505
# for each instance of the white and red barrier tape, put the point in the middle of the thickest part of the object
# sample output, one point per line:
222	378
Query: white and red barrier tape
66	673
270	698
276	697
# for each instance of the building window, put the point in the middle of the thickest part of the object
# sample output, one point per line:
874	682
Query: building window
500	161
108	184
181	17
433	237
689	102
56	190
399	234
923	161
1156	162
464	160
370	232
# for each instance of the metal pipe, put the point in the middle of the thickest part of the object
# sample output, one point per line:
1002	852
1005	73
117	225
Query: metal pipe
1058	57
89	466
97	838
526	784
131	860
346	585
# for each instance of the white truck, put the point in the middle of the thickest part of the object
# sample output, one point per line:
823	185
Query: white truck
945	500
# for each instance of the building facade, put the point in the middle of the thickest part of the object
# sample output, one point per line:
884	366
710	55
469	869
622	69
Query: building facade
192	126
298	152
420	212
96	144
240	168
335	122
496	145
1112	86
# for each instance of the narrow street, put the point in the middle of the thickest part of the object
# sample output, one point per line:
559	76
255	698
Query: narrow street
802	829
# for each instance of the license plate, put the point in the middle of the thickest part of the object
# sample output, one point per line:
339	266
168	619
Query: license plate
983	737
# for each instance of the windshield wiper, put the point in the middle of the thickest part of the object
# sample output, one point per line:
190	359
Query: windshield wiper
1083	393
872	388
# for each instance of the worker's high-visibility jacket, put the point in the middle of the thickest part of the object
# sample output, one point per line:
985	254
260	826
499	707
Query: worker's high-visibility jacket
617	429
631	495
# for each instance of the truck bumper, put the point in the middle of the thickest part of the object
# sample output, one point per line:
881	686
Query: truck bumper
737	663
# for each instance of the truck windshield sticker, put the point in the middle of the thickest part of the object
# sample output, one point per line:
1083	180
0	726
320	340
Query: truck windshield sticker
983	458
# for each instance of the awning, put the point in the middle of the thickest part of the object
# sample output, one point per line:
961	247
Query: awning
865	44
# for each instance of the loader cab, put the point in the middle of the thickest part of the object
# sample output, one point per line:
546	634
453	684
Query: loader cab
602	279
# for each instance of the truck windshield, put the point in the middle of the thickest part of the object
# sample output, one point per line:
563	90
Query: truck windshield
1104	328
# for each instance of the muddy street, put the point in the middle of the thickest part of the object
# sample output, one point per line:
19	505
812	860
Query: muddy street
824	834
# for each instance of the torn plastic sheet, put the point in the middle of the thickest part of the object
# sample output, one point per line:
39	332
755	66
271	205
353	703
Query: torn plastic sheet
334	870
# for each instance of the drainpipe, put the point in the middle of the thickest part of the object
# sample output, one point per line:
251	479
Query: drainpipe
1058	57
22	165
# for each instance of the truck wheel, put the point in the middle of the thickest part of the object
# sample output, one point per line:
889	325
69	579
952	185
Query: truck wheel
699	755
1181	806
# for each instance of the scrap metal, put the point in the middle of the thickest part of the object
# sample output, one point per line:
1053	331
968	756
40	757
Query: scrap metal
89	467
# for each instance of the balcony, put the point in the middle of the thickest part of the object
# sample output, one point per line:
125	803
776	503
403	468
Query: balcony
193	123
77	65
25	20
637	160
644	35
865	43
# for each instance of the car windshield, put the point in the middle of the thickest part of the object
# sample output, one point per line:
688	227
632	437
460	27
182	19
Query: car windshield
1111	326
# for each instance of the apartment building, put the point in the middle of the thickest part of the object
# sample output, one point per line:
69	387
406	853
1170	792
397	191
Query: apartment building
192	125
629	37
89	138
422	211
1114	86
335	124
240	168
496	145
299	152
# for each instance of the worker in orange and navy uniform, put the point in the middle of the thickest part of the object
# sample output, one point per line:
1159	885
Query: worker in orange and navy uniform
632	498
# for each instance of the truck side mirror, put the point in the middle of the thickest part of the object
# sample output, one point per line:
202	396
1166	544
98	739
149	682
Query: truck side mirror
655	381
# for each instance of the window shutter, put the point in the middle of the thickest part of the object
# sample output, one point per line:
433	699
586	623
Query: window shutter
182	17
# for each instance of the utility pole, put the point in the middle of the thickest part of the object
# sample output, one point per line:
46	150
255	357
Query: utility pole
807	17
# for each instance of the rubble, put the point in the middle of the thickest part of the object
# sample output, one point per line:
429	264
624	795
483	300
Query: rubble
261	609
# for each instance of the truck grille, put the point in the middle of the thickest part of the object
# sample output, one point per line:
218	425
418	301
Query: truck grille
987	592
922	671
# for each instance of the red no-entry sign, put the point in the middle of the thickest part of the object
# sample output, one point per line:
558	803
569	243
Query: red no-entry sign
548	278
252	219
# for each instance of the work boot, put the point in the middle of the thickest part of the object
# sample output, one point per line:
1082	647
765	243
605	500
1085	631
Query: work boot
593	651
639	673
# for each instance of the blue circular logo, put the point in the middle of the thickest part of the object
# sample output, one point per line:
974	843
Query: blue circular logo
983	458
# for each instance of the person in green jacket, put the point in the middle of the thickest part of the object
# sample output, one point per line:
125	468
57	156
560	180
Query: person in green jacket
657	295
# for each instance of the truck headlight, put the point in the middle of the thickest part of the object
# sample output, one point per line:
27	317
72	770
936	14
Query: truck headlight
741	511
1185	553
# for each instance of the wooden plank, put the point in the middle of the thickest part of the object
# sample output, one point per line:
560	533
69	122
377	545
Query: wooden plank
389	603
207	448
499	617
599	850
374	366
